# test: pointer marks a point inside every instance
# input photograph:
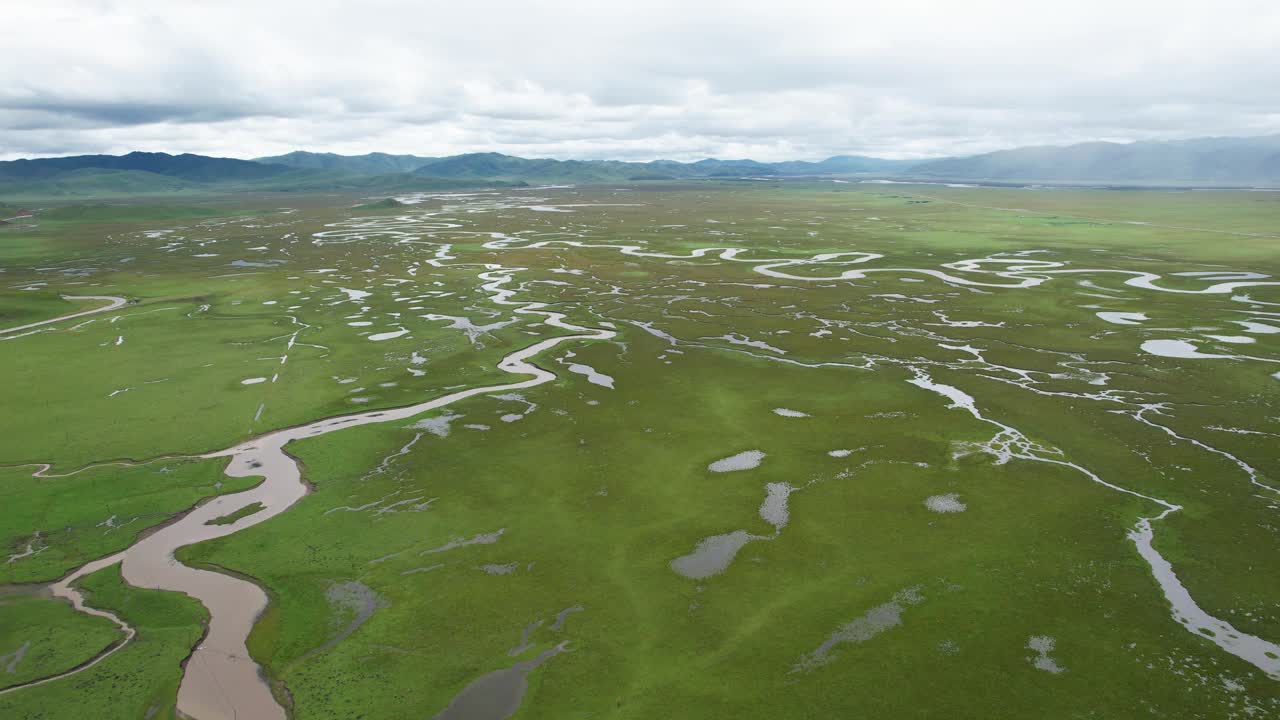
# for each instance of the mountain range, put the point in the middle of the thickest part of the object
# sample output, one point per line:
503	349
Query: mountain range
496	166
1249	161
1206	161
139	173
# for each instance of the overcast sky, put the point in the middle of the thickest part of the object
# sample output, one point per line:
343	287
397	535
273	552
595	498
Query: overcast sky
784	79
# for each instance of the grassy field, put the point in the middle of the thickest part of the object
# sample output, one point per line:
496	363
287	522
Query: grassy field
43	636
141	679
896	554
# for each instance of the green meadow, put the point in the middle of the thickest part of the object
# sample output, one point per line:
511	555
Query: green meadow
765	497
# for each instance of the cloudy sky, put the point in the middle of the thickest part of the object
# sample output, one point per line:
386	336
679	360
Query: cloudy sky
784	79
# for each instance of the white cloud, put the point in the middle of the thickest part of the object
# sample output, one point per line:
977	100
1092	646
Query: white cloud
636	80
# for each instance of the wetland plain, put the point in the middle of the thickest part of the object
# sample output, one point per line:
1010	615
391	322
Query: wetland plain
711	449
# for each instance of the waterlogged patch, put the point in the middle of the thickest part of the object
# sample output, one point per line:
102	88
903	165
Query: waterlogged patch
1177	349
1122	318
736	339
712	556
481	539
747	460
425	568
11	660
1258	328
774	508
351	605
473	331
949	503
876	620
715	554
438	426
563	615
1043	645
593	377
378	337
496	695
355	294
946	320
516	397
30	551
784	412
524	645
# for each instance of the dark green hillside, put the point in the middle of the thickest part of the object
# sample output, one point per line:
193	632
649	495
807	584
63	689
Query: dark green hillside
197	168
370	164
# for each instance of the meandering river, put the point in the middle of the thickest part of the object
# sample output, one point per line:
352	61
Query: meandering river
221	679
113	302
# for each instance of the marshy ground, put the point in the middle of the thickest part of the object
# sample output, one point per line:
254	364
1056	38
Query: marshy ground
788	450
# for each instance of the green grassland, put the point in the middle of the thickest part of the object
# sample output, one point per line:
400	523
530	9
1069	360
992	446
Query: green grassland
139	680
40	636
260	312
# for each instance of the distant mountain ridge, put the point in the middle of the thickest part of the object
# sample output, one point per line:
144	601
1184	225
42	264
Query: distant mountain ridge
1209	161
141	173
1229	161
492	165
374	163
196	168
